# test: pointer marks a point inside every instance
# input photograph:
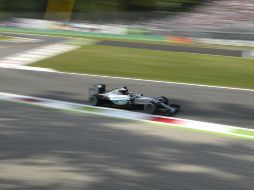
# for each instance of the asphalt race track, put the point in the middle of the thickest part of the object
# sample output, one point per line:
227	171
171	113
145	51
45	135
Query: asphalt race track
223	106
50	150
177	48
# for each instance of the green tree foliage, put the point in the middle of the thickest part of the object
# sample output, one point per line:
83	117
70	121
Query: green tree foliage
133	5
37	8
23	5
99	5
22	8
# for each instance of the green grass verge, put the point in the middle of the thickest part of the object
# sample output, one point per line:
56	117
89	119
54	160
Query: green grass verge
244	132
156	65
4	38
198	131
89	109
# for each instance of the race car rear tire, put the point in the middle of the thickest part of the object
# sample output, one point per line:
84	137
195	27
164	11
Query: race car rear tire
94	100
150	108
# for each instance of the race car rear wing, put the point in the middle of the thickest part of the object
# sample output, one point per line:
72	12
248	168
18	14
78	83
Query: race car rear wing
97	89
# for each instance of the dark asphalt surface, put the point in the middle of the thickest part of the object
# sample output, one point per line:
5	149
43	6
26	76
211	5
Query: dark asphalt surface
223	106
48	150
210	51
7	48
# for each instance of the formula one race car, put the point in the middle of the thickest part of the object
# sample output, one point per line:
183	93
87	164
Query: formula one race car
122	98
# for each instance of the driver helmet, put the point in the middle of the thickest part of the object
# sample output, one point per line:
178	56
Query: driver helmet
124	90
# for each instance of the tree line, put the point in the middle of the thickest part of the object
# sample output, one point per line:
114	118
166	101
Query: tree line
99	5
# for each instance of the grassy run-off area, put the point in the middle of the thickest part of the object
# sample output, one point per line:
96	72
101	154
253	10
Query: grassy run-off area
156	65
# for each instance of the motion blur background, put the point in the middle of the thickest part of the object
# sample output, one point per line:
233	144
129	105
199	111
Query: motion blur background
93	9
53	51
231	19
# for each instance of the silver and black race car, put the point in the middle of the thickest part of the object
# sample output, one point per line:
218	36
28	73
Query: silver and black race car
122	98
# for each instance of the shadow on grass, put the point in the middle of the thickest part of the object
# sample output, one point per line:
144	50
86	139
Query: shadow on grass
42	149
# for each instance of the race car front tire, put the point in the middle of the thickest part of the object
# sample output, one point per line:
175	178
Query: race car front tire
150	108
